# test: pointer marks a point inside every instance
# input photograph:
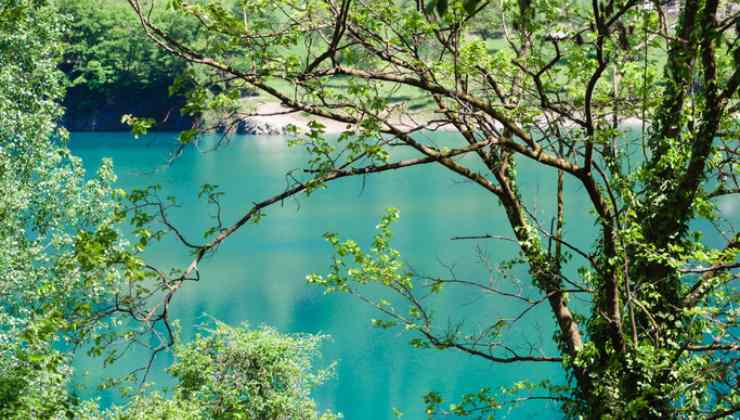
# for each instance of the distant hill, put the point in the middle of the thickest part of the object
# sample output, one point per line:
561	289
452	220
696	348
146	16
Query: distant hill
114	69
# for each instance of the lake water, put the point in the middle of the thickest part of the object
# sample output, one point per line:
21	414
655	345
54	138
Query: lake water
258	275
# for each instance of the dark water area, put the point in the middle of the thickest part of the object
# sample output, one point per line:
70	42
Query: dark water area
258	275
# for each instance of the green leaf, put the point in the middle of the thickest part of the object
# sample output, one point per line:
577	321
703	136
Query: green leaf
442	6
470	6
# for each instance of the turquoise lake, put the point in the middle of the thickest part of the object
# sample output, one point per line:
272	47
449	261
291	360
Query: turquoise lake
258	275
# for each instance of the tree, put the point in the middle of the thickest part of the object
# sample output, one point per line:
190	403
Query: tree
237	373
636	101
111	66
59	251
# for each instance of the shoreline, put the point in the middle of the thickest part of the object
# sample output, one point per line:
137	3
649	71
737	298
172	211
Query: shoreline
277	115
273	118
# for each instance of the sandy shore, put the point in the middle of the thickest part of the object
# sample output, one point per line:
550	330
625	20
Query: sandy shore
277	115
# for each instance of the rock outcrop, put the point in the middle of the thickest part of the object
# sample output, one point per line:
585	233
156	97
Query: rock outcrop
254	126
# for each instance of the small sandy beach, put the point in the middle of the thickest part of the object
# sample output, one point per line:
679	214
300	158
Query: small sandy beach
278	115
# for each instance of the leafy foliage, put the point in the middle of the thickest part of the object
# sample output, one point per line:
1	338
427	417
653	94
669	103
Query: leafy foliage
58	246
111	66
237	373
250	374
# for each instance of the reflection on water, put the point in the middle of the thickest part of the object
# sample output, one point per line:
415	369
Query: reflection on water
258	275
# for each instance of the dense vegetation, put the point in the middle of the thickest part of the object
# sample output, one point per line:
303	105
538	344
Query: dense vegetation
113	68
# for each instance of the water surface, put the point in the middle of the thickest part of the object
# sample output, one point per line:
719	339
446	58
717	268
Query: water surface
258	275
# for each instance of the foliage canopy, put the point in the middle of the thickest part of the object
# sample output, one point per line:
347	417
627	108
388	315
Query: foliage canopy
112	66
